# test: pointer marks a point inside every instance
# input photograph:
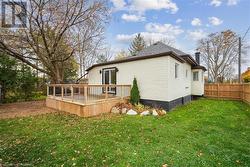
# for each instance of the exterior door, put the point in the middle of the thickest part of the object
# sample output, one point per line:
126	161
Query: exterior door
109	78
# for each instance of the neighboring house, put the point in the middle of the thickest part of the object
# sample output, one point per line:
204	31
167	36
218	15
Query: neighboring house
166	77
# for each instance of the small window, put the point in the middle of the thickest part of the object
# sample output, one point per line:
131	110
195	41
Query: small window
196	76
176	70
202	76
186	73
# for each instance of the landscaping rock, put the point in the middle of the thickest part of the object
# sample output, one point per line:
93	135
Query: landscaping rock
124	110
155	113
115	110
163	112
145	113
131	112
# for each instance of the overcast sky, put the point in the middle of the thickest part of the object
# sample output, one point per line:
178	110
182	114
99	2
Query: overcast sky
183	21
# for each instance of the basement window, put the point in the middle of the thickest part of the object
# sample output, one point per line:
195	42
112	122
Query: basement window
196	76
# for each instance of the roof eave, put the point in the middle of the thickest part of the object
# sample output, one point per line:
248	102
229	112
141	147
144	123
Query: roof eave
135	58
199	67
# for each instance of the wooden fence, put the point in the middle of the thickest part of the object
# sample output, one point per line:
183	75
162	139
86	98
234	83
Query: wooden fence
228	91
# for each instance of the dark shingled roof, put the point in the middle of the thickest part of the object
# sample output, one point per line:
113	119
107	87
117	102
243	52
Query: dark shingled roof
158	49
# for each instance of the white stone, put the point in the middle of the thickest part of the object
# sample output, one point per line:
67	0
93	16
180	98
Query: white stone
131	112
163	112
145	113
155	113
124	110
115	110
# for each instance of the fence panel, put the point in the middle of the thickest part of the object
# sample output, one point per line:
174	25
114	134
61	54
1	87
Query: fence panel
246	94
228	91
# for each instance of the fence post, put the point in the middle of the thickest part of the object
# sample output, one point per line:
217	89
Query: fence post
85	94
72	92
62	91
54	91
106	91
243	92
217	90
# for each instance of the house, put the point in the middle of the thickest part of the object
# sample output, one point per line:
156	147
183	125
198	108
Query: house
166	77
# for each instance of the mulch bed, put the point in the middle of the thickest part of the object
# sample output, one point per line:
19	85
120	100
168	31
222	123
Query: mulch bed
24	109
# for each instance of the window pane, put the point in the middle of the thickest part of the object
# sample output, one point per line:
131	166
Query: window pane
106	77
176	70
113	77
196	76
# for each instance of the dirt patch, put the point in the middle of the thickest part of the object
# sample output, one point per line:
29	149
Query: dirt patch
24	109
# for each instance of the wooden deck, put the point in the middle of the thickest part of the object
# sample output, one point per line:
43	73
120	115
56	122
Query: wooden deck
86	100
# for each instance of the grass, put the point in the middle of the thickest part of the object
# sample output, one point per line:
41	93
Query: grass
202	133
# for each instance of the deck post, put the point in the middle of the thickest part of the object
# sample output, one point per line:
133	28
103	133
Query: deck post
85	94
54	91
106	92
79	91
72	92
122	91
47	90
62	91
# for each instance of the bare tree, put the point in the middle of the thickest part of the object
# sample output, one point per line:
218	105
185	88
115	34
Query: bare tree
121	54
219	51
51	27
104	55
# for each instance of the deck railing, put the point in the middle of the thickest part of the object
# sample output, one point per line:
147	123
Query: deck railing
84	93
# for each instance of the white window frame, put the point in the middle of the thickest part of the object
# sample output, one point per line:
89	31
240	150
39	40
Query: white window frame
110	90
176	70
194	79
202	76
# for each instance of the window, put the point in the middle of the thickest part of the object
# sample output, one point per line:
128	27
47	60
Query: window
109	76
202	76
196	76
176	69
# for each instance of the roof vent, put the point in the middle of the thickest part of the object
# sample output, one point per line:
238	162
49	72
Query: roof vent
156	43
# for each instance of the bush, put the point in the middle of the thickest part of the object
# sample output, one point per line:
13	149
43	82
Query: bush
134	94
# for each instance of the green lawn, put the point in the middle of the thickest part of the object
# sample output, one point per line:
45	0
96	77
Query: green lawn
202	133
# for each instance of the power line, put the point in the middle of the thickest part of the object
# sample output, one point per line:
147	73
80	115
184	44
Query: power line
245	33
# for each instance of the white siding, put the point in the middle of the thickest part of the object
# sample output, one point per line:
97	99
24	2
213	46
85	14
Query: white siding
155	77
180	86
151	75
198	86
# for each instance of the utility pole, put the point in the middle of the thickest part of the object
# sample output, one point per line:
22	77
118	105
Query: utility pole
239	61
208	65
